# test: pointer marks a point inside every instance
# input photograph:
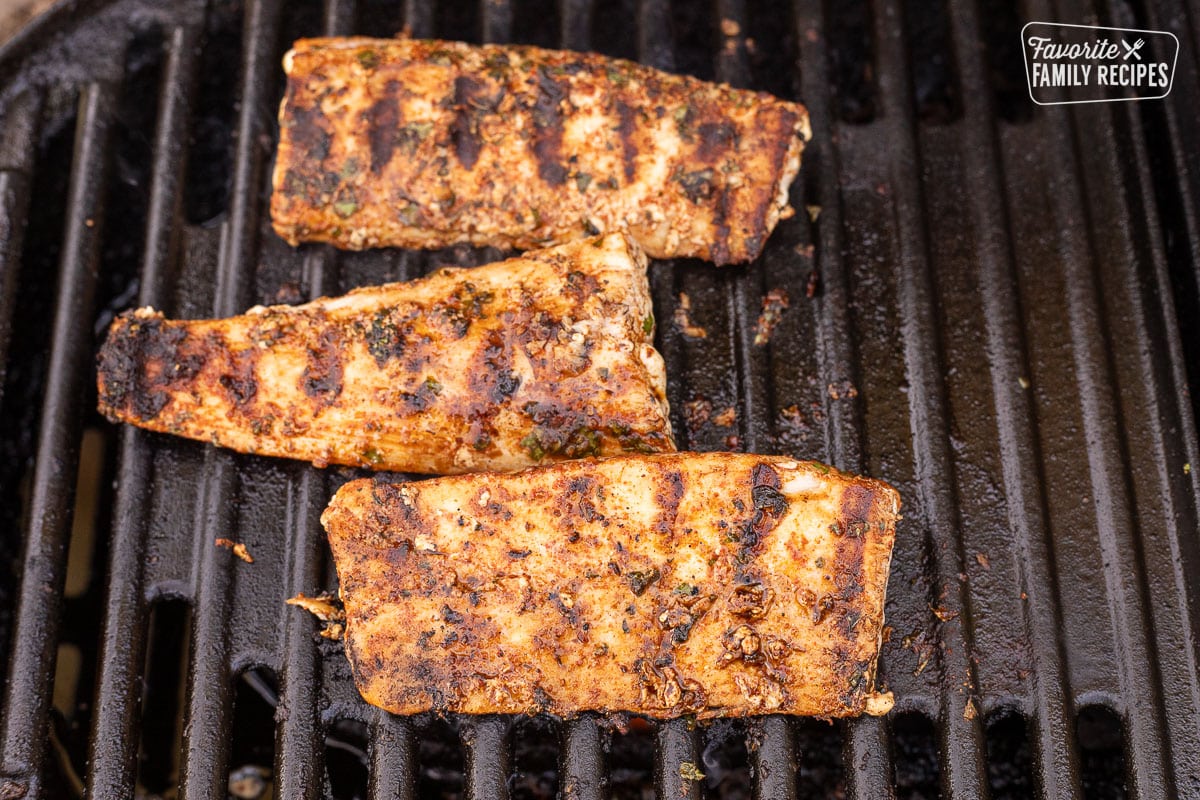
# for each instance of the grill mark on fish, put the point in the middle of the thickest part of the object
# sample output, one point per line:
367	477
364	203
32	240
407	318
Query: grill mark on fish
626	129
548	129
382	121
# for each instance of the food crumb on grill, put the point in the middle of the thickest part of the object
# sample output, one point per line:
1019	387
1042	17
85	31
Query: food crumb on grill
729	27
733	442
943	614
249	782
969	711
842	390
983	561
238	549
695	414
813	287
1187	468
1021	379
326	608
813	212
727	418
683	319
774	303
689	772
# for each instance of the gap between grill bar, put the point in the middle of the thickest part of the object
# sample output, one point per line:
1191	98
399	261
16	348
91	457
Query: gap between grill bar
39	602
963	771
1057	764
210	692
113	747
867	754
1138	677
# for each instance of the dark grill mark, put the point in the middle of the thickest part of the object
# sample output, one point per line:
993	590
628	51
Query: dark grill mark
625	129
469	100
715	139
308	135
140	359
322	377
548	129
382	122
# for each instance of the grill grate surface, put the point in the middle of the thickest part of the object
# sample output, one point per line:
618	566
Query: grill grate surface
1004	325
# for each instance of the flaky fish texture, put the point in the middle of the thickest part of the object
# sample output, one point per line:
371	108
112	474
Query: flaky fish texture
714	584
543	357
416	143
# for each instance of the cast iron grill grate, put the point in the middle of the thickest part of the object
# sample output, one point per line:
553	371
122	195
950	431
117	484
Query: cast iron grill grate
1003	323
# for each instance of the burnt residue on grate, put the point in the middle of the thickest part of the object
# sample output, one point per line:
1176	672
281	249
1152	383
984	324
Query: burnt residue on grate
990	305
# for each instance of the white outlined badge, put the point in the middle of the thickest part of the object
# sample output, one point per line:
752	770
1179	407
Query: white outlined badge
1067	64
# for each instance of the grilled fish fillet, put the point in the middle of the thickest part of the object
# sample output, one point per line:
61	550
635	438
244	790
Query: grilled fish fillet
546	356
418	143
715	584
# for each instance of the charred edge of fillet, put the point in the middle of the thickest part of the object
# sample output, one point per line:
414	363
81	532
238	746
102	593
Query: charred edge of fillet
861	507
142	359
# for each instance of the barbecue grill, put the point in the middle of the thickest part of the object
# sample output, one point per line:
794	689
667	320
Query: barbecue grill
993	305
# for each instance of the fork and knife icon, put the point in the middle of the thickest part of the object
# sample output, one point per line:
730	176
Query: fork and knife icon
1132	50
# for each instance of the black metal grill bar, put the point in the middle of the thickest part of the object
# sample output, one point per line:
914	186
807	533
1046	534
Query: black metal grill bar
487	757
1115	525
204	770
678	743
773	755
581	760
39	602
114	739
299	754
867	752
1054	730
774	760
1168	410
497	20
418	18
19	139
575	23
960	726
393	759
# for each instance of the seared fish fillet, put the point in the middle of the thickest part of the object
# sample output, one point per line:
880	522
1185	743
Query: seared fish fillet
714	584
547	356
418	143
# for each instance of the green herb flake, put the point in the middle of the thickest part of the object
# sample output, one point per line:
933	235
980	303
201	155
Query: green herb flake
583	181
369	59
687	590
533	445
433	385
346	207
648	324
372	456
616	76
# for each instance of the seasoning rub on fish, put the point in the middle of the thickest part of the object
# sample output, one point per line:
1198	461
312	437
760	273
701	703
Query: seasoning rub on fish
714	584
415	143
537	358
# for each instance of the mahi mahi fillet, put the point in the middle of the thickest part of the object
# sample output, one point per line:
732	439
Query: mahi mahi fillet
547	356
715	584
416	143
